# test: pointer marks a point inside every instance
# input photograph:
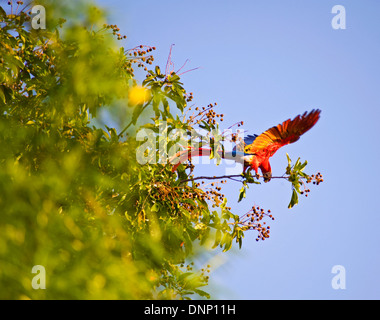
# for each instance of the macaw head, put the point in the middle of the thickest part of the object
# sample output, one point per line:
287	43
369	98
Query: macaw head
267	176
266	169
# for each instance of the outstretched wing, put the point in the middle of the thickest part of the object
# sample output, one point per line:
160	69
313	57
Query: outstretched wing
289	131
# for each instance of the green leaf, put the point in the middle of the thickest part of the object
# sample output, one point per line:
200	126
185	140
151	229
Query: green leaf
218	237
183	276
156	104
2	12
227	241
302	166
289	160
242	193
293	200
18	62
173	77
158	71
2	95
298	163
154	208
289	167
202	293
150	126
304	175
240	240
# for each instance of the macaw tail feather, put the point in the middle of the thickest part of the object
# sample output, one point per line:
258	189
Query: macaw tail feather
184	155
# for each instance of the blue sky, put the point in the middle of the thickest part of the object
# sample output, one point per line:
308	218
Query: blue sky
264	62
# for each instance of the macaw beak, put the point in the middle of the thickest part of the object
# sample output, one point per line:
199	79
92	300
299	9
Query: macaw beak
267	176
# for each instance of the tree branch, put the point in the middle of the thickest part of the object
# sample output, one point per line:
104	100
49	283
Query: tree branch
231	177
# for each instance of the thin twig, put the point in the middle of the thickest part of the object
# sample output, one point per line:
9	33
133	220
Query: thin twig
215	178
187	60
180	74
143	108
169	61
27	5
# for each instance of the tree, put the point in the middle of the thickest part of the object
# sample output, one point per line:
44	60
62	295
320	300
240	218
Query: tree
75	197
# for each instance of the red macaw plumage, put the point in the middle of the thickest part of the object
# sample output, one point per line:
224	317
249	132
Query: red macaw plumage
259	148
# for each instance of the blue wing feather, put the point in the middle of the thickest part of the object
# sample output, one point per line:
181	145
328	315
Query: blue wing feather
247	141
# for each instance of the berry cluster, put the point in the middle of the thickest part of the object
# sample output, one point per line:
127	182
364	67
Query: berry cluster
235	136
213	194
206	114
10	3
164	192
252	220
315	179
140	54
189	97
115	30
204	271
177	196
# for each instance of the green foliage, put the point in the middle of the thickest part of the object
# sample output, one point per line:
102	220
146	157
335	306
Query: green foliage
295	174
74	197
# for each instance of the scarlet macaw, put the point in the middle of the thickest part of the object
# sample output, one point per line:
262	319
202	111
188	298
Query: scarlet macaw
259	148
